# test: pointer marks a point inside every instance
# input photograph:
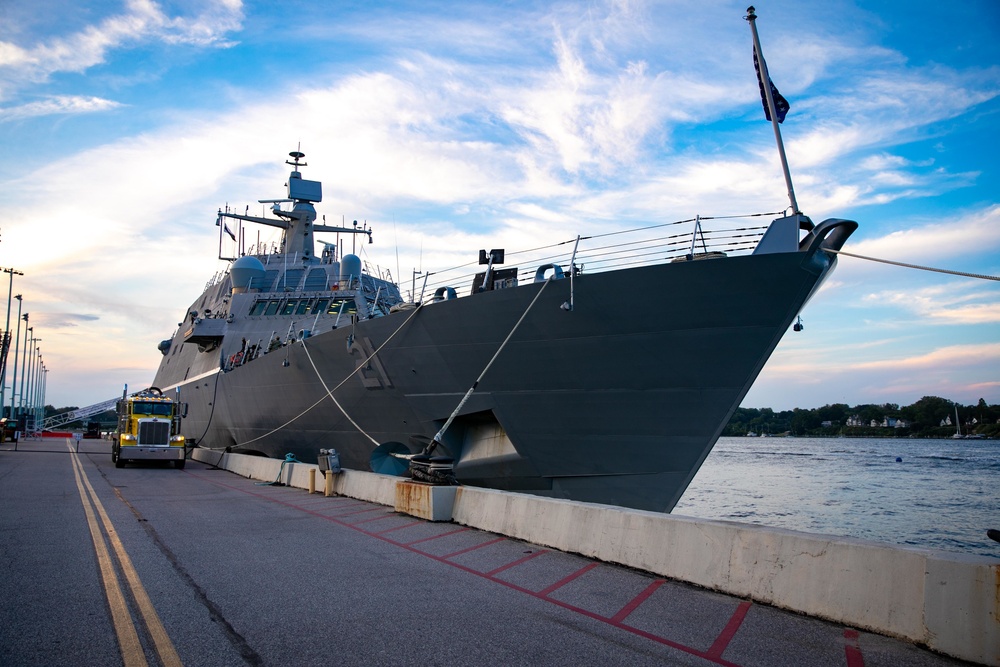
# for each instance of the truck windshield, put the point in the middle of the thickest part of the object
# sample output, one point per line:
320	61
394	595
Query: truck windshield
144	408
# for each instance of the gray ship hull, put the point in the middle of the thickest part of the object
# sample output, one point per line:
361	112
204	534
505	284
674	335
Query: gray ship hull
616	401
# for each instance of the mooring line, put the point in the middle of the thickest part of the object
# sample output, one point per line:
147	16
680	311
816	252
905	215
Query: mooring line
329	392
468	394
914	266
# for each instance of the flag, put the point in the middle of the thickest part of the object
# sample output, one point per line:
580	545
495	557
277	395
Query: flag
225	228
781	105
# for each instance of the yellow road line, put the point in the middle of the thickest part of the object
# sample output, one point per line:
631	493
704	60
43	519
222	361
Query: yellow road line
128	639
161	640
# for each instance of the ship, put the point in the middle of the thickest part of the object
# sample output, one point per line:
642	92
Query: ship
600	369
559	379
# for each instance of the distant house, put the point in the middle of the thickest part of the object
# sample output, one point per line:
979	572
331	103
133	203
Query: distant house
826	424
855	420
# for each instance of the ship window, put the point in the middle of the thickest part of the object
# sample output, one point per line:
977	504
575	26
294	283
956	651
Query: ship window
289	307
272	307
258	307
348	305
290	280
320	306
315	280
303	308
264	284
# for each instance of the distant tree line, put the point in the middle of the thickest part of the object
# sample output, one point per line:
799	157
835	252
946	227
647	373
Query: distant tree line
923	419
920	420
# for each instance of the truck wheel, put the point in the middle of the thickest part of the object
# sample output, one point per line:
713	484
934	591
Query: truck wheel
179	464
119	462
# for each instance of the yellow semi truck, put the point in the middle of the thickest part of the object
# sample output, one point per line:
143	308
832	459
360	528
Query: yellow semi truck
149	425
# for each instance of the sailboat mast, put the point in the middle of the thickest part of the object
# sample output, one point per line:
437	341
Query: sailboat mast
765	80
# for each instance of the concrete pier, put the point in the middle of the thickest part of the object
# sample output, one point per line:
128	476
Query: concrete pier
148	564
947	602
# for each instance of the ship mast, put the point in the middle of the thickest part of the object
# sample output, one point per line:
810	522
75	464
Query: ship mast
765	83
299	222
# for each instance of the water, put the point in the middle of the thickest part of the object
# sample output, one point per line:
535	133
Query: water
944	494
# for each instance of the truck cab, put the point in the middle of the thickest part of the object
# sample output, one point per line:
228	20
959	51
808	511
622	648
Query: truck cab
148	429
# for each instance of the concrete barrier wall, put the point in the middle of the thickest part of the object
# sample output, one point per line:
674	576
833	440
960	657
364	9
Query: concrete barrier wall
367	486
948	602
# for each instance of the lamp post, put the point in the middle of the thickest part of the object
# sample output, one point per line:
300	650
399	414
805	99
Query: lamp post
39	409
26	398
17	344
28	332
33	381
6	332
45	379
36	362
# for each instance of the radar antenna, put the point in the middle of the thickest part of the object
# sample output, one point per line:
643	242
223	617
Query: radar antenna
297	155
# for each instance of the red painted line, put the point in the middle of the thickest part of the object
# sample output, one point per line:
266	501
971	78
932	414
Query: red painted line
388	515
565	580
728	632
636	601
370	509
853	649
473	548
405	525
434	537
468	570
524	559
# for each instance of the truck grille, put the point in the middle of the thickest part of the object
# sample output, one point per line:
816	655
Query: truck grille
154	433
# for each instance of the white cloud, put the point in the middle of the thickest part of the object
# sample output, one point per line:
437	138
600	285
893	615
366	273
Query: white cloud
975	233
951	355
57	104
461	154
958	302
143	20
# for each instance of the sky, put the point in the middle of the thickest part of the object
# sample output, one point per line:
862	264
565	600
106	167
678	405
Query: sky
450	127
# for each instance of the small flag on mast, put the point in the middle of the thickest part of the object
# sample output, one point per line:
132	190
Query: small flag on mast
225	227
781	105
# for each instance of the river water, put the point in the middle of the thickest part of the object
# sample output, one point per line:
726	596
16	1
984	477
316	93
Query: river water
943	494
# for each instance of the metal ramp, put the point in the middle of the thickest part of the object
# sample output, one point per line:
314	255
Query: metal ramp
78	414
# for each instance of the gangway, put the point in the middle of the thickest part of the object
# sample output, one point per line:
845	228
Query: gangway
80	413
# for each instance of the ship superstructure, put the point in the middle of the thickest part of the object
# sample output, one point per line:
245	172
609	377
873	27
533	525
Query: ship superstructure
608	386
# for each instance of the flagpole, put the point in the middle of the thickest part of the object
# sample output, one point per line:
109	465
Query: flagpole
765	81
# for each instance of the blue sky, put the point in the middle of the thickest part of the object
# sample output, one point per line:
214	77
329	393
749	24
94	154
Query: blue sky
450	127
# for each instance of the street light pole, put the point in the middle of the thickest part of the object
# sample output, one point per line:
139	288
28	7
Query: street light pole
39	410
36	360
28	331
17	344
6	333
45	380
26	400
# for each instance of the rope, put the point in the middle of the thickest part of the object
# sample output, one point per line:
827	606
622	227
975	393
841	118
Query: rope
329	392
440	434
915	266
289	458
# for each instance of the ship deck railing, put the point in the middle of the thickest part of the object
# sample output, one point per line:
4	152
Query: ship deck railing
609	251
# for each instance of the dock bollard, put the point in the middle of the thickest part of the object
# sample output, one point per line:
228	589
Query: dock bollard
328	491
312	480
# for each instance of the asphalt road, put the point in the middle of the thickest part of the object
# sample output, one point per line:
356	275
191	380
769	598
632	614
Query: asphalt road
153	565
